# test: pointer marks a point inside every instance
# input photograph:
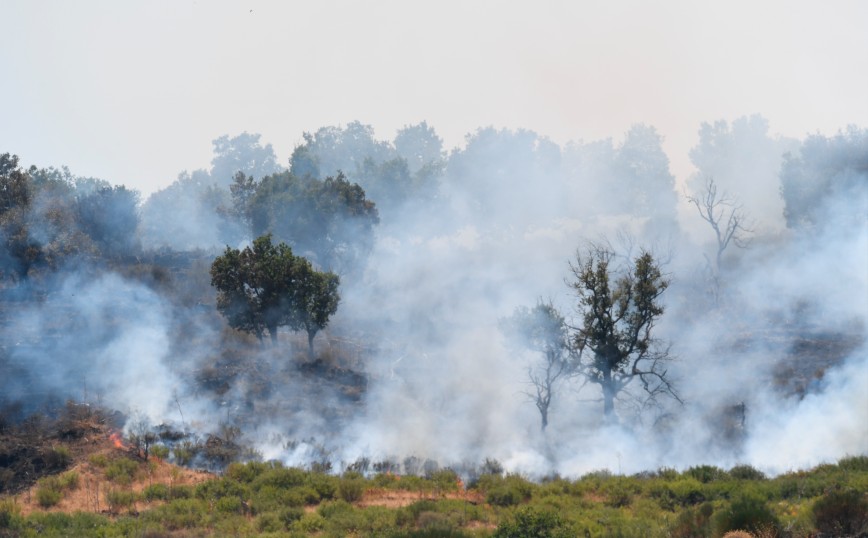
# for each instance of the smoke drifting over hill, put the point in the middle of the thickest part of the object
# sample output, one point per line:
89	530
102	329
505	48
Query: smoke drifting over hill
770	348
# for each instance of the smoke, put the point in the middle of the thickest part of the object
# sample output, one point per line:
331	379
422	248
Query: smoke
771	358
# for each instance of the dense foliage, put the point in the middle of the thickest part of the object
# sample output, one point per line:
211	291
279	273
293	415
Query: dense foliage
265	286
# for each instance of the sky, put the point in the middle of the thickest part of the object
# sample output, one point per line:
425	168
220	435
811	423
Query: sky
133	92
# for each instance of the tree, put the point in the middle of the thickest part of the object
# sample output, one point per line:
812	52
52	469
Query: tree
109	216
619	309
725	216
266	286
242	153
825	185
543	330
330	220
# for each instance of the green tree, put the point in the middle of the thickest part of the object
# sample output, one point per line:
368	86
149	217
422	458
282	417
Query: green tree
619	309
266	286
329	220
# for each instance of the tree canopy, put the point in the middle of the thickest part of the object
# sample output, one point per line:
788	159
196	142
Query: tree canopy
331	221
265	286
619	308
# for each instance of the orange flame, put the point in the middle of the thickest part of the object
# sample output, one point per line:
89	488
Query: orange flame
117	441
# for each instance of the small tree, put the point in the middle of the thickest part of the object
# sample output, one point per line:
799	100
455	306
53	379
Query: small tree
541	329
619	308
265	287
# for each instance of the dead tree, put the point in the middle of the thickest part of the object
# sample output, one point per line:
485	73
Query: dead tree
726	217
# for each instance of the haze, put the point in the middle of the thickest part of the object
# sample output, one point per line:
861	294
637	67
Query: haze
134	92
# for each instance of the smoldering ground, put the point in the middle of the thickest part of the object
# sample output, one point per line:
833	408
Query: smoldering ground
769	351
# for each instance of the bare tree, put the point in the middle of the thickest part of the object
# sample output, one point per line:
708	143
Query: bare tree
619	308
726	217
541	329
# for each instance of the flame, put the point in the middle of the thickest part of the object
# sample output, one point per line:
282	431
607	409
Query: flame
117	441
460	484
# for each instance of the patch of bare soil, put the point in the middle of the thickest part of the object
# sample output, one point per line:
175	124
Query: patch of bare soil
391	498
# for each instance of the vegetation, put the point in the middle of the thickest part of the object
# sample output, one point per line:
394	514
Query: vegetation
619	309
265	286
266	498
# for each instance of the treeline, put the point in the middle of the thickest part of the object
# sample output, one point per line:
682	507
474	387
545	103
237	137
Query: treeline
341	181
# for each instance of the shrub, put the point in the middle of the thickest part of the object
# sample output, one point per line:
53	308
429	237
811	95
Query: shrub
351	489
98	460
269	522
746	472
706	473
693	522
309	523
505	491
48	496
160	451
530	523
69	481
290	515
180	514
220	488
748	513
121	471
119	499
856	464
229	505
58	457
10	514
156	492
841	513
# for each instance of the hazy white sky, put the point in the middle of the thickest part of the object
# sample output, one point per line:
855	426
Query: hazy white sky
134	92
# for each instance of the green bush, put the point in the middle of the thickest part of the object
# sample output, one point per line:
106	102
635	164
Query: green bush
269	522
48	496
180	514
121	471
351	489
747	512
746	472
61	524
98	460
856	464
505	491
841	513
160	451
706	473
118	499
695	521
229	505
156	492
532	523
69	481
309	523
220	488
290	515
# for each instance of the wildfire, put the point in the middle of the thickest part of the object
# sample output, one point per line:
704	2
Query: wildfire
117	441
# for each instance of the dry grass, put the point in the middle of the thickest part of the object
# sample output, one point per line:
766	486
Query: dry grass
93	487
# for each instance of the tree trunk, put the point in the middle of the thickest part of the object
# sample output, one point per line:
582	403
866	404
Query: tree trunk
544	416
608	386
272	332
310	335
